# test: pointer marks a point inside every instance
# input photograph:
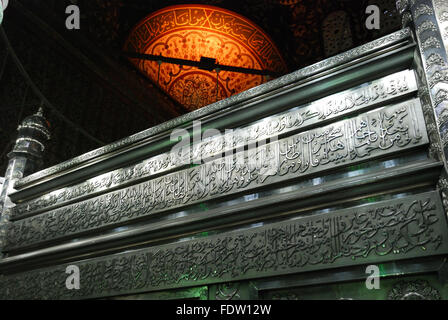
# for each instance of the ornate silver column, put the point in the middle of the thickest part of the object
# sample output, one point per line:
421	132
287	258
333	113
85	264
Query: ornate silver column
25	158
429	20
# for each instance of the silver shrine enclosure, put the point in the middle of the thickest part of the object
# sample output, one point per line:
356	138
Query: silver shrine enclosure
302	181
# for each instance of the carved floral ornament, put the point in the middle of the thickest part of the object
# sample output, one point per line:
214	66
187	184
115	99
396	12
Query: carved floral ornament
191	32
414	290
422	10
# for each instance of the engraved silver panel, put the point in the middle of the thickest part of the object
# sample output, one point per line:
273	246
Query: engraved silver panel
299	118
376	133
390	230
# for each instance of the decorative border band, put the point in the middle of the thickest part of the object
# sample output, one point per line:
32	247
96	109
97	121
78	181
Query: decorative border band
401	228
376	133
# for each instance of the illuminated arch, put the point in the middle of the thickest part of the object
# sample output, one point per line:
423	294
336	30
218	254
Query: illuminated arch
193	31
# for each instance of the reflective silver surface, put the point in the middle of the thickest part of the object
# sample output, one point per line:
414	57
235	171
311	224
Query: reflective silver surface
319	111
376	133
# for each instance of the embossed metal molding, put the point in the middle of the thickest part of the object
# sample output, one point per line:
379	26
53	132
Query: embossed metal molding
394	229
429	17
323	65
330	107
373	134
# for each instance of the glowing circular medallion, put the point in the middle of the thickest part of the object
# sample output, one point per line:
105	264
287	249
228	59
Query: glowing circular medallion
190	32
